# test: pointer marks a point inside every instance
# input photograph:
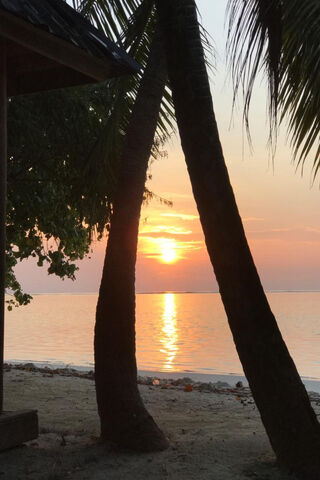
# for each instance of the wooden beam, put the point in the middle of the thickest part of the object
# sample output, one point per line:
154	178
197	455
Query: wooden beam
3	198
13	49
43	80
55	48
17	428
27	62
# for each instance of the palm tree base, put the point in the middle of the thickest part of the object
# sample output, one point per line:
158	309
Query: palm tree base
136	432
309	470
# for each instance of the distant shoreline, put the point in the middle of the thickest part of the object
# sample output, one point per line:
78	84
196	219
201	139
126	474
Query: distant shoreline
186	292
230	379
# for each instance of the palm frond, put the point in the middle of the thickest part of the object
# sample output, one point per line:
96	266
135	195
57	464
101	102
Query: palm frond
254	41
110	16
300	80
282	39
131	23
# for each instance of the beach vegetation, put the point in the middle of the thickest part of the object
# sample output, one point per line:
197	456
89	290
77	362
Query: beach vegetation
55	203
282	400
280	396
265	358
280	40
124	419
75	163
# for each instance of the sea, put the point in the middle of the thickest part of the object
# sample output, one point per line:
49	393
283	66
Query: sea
187	333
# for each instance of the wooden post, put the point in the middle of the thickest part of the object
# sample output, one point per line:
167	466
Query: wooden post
15	427
3	195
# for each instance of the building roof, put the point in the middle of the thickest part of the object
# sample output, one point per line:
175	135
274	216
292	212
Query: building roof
59	19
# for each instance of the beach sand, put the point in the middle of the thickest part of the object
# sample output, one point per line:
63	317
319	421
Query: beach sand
215	432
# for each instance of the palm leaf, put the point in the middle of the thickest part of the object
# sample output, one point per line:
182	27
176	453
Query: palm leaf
254	40
300	79
131	24
281	38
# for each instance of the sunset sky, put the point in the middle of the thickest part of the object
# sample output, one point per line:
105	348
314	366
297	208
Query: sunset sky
279	208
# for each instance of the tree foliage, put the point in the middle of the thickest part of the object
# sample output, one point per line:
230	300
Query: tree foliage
64	152
51	212
281	38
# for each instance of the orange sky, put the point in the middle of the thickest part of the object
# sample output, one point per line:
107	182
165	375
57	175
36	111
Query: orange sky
280	214
279	209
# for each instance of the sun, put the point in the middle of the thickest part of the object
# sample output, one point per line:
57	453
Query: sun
168	251
169	256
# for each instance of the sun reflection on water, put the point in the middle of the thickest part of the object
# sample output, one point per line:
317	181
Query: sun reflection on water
169	331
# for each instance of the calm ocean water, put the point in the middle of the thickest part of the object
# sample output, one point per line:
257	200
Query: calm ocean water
175	332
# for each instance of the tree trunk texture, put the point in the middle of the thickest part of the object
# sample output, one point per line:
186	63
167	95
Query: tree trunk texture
124	419
278	391
3	199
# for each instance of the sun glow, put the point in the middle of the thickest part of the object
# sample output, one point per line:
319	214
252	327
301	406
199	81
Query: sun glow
166	239
168	251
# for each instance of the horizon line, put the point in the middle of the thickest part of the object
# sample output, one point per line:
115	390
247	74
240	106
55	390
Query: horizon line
159	292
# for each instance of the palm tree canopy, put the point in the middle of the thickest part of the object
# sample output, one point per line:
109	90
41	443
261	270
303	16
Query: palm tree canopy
281	38
130	24
61	181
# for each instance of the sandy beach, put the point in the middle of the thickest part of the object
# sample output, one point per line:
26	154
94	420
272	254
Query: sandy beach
214	431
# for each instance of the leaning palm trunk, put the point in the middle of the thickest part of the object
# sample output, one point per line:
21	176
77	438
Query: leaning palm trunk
280	396
124	419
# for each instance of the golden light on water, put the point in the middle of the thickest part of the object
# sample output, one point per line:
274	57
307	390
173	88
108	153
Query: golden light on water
169	330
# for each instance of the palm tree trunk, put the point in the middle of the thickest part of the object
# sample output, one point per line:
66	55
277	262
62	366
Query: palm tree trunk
281	398
124	419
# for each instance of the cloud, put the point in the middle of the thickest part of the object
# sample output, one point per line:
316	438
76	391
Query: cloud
173	195
293	234
182	216
252	219
152	246
161	230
